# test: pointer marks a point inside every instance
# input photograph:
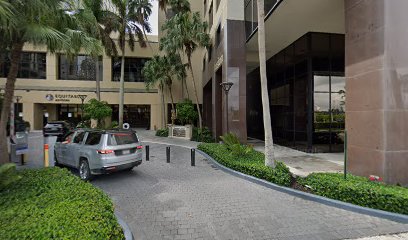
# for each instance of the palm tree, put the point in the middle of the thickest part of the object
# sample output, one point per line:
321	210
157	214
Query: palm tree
269	151
177	6
186	32
162	70
129	30
101	23
56	29
154	73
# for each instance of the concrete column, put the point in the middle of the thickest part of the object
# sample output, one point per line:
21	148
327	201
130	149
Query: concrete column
377	88
28	113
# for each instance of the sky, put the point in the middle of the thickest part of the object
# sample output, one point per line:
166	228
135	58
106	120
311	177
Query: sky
154	18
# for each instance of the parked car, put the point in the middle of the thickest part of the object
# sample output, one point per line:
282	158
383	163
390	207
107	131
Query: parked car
95	152
57	128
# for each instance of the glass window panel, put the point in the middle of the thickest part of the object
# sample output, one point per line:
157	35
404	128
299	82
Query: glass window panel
321	83
338	84
320	42
133	69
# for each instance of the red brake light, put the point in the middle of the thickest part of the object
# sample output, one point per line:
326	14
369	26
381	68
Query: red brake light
139	147
105	151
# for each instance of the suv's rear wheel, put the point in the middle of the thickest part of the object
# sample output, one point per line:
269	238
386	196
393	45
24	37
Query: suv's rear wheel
84	170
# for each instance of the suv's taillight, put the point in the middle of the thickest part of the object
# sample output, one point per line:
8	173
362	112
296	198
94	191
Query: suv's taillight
139	147
105	151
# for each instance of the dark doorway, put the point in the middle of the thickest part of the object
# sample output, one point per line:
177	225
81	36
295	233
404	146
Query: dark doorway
207	105
218	114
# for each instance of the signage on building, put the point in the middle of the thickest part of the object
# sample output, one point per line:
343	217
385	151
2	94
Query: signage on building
64	97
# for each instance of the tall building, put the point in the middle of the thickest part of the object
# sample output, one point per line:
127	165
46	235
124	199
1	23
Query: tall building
332	66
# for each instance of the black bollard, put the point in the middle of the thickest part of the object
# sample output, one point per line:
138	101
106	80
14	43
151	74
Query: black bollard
192	157
147	153
168	154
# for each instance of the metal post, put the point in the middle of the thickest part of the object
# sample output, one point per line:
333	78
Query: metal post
192	157
345	154
168	154
46	155
147	153
226	99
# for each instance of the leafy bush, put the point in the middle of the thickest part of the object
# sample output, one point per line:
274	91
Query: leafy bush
230	139
233	144
114	125
98	110
162	132
53	204
202	135
358	191
251	164
8	175
84	124
186	113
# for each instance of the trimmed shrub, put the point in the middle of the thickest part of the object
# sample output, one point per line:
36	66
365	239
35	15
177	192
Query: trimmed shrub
162	132
54	204
251	164
8	175
202	135
358	191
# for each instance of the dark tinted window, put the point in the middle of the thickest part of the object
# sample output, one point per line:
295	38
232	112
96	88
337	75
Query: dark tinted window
32	65
93	138
81	67
79	137
116	139
133	69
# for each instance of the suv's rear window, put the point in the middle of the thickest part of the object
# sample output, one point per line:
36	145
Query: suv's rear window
54	125
116	139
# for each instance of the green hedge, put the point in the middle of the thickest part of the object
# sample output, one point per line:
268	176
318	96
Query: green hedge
358	191
162	132
54	204
251	164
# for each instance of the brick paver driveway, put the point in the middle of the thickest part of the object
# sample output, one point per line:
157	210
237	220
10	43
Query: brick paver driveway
175	201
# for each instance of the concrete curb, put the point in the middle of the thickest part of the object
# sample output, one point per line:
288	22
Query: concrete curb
126	229
401	218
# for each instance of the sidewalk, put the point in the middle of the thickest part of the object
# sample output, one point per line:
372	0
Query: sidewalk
299	163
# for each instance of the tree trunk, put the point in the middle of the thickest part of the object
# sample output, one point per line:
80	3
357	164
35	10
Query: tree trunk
163	107
269	151
200	120
122	89
173	109
98	80
8	99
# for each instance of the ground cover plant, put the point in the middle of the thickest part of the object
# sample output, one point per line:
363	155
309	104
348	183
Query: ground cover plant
358	190
355	190
251	163
54	204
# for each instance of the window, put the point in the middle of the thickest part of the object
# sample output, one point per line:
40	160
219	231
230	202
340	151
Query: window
218	35
94	138
81	67
79	137
123	138
68	138
210	50
32	65
203	64
133	69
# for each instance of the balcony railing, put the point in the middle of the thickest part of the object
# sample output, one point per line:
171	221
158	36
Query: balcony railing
251	14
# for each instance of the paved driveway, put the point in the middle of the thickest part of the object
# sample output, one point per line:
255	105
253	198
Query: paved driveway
175	201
